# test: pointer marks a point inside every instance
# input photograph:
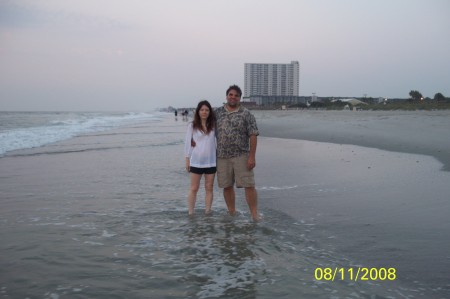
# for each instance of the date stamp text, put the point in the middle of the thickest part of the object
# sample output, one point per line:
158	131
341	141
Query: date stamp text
355	274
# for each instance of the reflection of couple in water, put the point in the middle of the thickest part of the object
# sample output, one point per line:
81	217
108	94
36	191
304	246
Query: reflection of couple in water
233	129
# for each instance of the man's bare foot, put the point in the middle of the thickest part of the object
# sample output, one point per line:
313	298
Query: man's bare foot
232	213
258	218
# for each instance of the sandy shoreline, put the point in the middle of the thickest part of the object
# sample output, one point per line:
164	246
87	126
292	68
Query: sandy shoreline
372	207
418	132
370	182
359	205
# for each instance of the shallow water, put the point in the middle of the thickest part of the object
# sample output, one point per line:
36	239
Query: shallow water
104	215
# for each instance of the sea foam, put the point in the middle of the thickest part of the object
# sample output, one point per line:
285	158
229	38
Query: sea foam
57	127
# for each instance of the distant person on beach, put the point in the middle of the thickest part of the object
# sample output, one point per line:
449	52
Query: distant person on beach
201	158
185	114
237	133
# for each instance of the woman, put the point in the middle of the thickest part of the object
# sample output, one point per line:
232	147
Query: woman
201	159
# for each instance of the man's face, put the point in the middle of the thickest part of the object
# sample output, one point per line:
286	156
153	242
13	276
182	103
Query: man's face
233	98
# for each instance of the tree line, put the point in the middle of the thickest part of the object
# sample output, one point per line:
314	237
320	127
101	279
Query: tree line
417	96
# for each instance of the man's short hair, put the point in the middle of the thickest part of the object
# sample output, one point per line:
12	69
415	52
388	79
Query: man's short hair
235	88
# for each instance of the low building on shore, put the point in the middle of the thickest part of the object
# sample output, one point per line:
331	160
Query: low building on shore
263	101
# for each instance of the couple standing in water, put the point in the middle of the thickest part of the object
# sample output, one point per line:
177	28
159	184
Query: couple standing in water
222	141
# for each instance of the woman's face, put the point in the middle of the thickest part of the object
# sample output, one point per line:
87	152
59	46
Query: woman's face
204	112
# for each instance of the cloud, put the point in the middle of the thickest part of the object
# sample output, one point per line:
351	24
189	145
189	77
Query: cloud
24	16
15	15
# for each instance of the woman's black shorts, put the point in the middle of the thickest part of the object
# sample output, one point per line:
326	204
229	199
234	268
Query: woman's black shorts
208	170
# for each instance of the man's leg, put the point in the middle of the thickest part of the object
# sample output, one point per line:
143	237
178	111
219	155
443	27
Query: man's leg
252	200
225	179
230	199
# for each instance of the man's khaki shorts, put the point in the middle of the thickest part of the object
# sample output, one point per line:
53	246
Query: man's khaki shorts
231	170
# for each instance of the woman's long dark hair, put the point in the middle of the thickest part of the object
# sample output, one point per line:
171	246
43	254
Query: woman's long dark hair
210	121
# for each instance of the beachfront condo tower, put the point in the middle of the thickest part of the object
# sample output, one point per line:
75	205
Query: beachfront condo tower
266	79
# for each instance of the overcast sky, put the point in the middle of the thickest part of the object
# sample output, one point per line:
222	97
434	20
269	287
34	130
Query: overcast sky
136	55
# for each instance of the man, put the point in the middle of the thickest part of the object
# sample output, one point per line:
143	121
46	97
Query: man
236	133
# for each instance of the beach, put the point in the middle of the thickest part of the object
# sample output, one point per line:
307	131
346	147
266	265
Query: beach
417	132
103	214
384	199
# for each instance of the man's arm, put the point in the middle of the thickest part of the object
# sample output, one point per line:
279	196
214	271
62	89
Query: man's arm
251	162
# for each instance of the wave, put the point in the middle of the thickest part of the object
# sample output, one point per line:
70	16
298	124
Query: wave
22	131
58	150
272	188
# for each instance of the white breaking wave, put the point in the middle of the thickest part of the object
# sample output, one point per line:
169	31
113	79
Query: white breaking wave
265	188
62	129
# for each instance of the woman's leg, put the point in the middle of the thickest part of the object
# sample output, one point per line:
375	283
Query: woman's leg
209	186
192	197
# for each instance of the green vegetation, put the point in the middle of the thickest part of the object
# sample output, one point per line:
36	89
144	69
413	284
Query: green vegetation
439	97
415	95
415	102
339	105
429	105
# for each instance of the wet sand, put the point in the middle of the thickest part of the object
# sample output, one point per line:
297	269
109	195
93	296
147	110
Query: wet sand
418	132
374	184
93	204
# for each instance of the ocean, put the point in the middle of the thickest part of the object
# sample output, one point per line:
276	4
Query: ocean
21	130
94	205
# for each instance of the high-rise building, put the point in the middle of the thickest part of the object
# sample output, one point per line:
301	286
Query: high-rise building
264	79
